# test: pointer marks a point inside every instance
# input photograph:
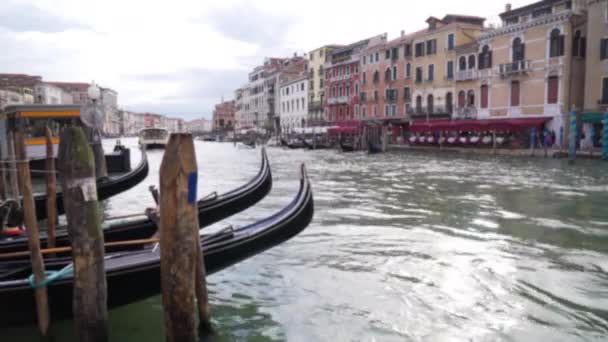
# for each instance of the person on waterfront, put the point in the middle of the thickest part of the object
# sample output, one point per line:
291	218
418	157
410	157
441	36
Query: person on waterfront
553	138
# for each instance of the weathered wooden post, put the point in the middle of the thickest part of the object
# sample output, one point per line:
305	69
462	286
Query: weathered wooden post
179	248
12	163
494	141
77	168
51	190
31	224
572	135
605	138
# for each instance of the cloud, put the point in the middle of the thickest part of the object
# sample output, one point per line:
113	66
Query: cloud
26	17
246	23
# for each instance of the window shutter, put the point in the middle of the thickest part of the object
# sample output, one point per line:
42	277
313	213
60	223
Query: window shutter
514	94
481	61
552	92
489	60
484	96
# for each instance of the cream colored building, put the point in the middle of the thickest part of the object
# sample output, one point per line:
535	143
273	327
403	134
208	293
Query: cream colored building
528	65
434	61
316	78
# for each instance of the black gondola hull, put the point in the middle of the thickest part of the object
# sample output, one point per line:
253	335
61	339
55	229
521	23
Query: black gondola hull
139	277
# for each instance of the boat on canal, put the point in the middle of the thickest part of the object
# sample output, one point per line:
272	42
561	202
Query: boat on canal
135	275
211	209
346	147
153	138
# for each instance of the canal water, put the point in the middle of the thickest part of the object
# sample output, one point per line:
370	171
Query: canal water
403	247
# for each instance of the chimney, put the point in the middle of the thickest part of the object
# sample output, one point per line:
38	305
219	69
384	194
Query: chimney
402	33
508	8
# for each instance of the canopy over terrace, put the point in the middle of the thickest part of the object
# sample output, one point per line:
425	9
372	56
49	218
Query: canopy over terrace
478	125
346	127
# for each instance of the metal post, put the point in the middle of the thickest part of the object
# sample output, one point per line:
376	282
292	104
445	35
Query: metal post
605	138
572	135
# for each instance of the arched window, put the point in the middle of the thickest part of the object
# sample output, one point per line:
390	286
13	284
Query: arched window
418	104
449	106
461	99
472	62
462	63
518	50
556	43
485	58
579	44
376	76
471	98
429	103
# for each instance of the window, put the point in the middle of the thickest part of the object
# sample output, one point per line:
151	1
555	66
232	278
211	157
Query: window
484	96
461	99
394	73
429	103
407	96
356	88
451	41
302	86
375	95
371	58
431	74
364	58
552	89
377	56
518	50
431	47
376	76
449	106
407	50
387	74
485	58
356	111
472	62
375	110
579	45
408	70
348	70
419	49
347	92
386	110
450	70
418	74
471	98
418	104
556	44
340	91
515	94
541	12
363	112
364	78
395	53
604	49
387	54
462	63
356	68
604	98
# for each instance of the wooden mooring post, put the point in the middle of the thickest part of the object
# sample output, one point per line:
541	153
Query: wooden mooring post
31	224
182	271
77	167
51	190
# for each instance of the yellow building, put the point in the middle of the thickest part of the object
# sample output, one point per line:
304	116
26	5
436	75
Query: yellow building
433	63
596	79
316	77
530	68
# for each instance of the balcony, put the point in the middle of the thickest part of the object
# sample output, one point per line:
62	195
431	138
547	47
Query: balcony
469	112
338	100
466	75
423	113
340	77
514	68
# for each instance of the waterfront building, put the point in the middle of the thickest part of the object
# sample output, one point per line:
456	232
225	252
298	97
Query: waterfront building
46	93
240	107
14	97
342	80
17	89
433	56
198	126
316	87
223	116
131	122
529	68
468	93
596	59
293	109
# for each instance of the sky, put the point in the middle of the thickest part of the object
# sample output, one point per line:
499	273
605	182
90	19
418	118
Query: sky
180	57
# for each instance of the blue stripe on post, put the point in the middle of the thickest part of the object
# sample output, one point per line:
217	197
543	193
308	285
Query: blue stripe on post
192	180
605	138
573	135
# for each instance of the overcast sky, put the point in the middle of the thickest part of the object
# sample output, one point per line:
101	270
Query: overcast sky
179	57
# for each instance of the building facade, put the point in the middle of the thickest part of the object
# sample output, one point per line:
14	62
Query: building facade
45	93
316	87
293	109
223	116
198	126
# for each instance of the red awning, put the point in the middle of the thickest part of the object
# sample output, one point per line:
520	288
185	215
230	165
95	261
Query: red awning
477	125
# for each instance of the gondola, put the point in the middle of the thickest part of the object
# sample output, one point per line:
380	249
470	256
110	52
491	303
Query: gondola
346	147
295	144
210	210
106	187
373	148
135	275
308	145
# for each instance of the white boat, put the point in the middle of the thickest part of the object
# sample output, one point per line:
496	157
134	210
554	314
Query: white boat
474	140
451	140
486	140
153	137
463	140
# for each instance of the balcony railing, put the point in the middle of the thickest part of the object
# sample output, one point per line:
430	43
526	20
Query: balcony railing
469	112
315	105
424	113
337	100
514	68
466	75
340	77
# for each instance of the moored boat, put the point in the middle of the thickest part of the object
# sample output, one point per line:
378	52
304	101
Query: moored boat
151	138
212	209
135	275
346	147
